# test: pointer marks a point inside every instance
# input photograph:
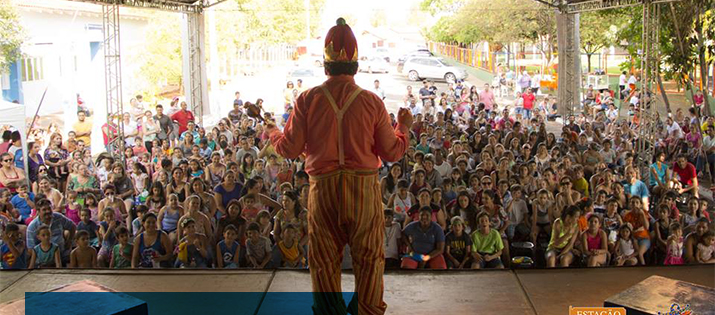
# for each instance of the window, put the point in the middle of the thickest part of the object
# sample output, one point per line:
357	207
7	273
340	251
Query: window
32	69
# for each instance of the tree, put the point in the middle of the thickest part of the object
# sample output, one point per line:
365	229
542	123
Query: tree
161	61
11	35
597	31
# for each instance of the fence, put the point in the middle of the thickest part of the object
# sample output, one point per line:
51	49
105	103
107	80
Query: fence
246	61
473	57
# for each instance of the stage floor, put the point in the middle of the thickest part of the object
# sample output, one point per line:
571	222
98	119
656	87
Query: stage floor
457	292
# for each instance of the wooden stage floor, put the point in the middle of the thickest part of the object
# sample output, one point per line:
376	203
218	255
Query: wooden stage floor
426	292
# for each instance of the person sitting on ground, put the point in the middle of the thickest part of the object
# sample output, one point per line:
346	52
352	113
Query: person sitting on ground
393	234
424	240
83	256
487	244
594	243
458	245
563	237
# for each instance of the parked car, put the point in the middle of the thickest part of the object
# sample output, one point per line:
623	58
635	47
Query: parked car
418	68
414	53
373	64
384	53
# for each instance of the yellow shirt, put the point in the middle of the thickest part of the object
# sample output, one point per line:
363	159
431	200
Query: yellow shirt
83	127
289	253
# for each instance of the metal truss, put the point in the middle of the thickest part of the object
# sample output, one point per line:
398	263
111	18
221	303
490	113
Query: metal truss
113	79
183	6
595	5
197	67
645	146
569	95
165	5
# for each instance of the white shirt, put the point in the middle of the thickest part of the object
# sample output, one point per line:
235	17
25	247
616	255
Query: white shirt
416	110
632	80
675	131
622	79
380	92
443	169
536	81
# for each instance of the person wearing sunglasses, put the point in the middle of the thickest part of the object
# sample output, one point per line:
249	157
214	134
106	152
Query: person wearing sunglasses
11	176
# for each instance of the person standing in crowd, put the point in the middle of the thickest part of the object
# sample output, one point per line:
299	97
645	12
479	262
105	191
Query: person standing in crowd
378	90
83	128
622	85
487	98
183	117
529	100
348	166
165	124
237	100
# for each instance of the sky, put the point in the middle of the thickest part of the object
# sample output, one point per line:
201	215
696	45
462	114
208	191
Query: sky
398	10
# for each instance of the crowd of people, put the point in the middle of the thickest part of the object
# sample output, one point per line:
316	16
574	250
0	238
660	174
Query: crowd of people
481	179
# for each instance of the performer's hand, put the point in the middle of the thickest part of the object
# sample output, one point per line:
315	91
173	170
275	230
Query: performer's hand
404	117
270	126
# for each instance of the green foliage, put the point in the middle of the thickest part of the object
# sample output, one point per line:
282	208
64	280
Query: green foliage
597	31
497	22
11	35
161	60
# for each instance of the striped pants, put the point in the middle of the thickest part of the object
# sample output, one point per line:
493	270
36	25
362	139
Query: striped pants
345	207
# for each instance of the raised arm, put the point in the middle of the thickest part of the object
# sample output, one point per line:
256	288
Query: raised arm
392	143
291	142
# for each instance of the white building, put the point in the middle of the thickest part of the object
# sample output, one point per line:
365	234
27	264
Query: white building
63	54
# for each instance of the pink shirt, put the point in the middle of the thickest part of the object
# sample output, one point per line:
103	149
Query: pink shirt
487	98
312	128
528	100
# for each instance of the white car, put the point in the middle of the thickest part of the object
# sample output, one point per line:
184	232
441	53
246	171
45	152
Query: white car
418	68
373	64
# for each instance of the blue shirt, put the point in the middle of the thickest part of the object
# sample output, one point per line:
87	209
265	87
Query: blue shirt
9	261
638	189
21	205
59	224
660	172
424	242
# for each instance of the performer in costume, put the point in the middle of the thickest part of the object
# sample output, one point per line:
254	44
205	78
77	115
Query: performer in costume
344	131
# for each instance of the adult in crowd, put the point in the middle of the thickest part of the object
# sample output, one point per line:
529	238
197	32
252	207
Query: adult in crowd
425	243
62	229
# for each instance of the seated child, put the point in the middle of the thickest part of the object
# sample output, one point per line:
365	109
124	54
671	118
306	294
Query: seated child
250	211
288	250
626	248
24	202
594	242
258	247
264	222
107	236
518	212
83	256
392	235
46	254
542	215
122	251
86	224
137	227
193	248
227	250
13	253
674	245
487	245
458	245
72	208
706	248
